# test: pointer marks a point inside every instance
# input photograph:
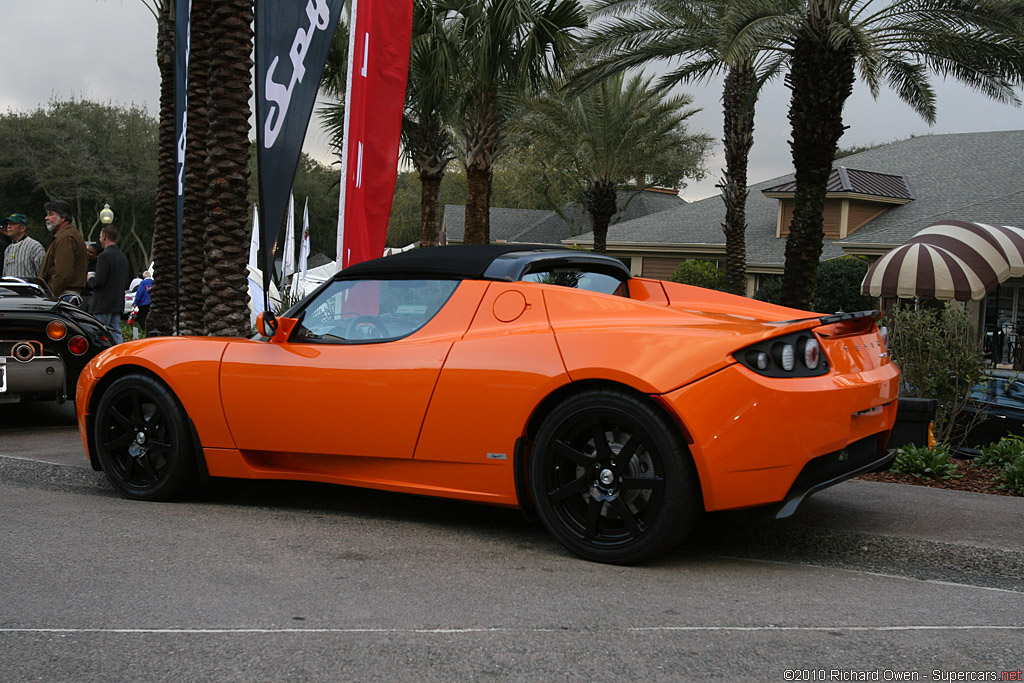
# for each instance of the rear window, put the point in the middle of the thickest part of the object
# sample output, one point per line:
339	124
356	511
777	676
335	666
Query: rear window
579	279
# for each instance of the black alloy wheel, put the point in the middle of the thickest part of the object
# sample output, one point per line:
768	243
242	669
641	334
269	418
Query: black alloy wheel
612	479
142	440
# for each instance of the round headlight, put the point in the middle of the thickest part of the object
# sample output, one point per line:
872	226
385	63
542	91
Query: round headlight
810	351
56	330
784	356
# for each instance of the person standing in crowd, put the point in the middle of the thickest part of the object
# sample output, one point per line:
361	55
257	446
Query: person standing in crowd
24	256
5	240
142	299
63	268
108	284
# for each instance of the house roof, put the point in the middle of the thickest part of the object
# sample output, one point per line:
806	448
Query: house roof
845	180
965	176
547	227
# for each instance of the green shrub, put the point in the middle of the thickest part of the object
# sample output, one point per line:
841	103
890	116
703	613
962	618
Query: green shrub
770	290
939	357
700	274
999	454
925	463
838	286
1012	476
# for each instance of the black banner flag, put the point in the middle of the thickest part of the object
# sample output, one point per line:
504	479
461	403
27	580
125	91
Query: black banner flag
182	42
292	42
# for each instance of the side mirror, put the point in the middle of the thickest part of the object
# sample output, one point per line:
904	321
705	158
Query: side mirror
266	323
278	329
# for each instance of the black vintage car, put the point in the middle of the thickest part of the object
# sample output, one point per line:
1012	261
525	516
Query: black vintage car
44	343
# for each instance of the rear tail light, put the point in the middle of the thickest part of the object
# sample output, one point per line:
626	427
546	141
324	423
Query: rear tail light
78	345
56	330
810	352
883	332
784	356
792	355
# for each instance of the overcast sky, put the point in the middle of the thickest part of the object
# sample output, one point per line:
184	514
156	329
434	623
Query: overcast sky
105	50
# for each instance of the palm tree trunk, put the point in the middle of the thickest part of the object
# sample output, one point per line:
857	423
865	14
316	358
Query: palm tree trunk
161	313
225	291
739	97
477	207
601	206
821	79
193	248
430	193
482	131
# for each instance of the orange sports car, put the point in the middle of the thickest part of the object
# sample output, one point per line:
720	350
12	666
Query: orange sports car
616	408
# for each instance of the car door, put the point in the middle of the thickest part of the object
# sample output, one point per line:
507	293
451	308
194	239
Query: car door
355	379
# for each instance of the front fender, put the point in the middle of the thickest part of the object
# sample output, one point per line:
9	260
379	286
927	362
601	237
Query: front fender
189	366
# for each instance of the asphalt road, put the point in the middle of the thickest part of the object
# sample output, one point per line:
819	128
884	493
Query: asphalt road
260	581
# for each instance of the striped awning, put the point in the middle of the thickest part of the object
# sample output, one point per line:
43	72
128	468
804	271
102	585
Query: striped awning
949	260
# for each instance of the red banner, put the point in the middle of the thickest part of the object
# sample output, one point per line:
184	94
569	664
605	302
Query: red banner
378	68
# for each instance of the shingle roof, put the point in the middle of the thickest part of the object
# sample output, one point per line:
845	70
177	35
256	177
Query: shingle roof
547	227
965	176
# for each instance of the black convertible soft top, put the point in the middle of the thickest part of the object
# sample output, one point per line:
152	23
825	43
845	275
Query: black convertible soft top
507	262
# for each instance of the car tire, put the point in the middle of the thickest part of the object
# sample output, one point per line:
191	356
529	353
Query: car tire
612	479
143	441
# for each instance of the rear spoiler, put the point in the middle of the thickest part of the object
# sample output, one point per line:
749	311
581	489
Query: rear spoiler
834	318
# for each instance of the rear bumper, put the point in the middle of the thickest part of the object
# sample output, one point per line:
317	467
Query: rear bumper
759	441
860	457
40	377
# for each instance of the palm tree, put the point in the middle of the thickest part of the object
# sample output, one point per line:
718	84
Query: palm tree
610	134
333	85
506	47
226	239
433	66
898	42
161	316
197	144
691	35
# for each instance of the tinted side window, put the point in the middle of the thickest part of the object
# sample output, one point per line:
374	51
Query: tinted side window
372	310
579	279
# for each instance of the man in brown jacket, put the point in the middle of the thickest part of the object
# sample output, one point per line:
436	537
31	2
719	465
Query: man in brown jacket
64	265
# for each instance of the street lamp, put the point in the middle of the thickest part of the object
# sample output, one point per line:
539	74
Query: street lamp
106	215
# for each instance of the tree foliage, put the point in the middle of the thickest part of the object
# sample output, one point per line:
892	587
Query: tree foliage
688	40
610	134
896	43
88	154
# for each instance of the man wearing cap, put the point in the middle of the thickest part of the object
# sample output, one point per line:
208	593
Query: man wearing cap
24	255
63	266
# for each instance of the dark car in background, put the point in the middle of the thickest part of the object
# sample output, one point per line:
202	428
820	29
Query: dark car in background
996	410
44	343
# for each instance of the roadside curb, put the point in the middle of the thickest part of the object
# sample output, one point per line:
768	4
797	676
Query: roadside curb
883	554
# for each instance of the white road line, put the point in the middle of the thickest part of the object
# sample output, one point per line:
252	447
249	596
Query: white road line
457	631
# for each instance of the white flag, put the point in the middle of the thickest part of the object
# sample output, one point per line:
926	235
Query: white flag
254	242
304	247
288	260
